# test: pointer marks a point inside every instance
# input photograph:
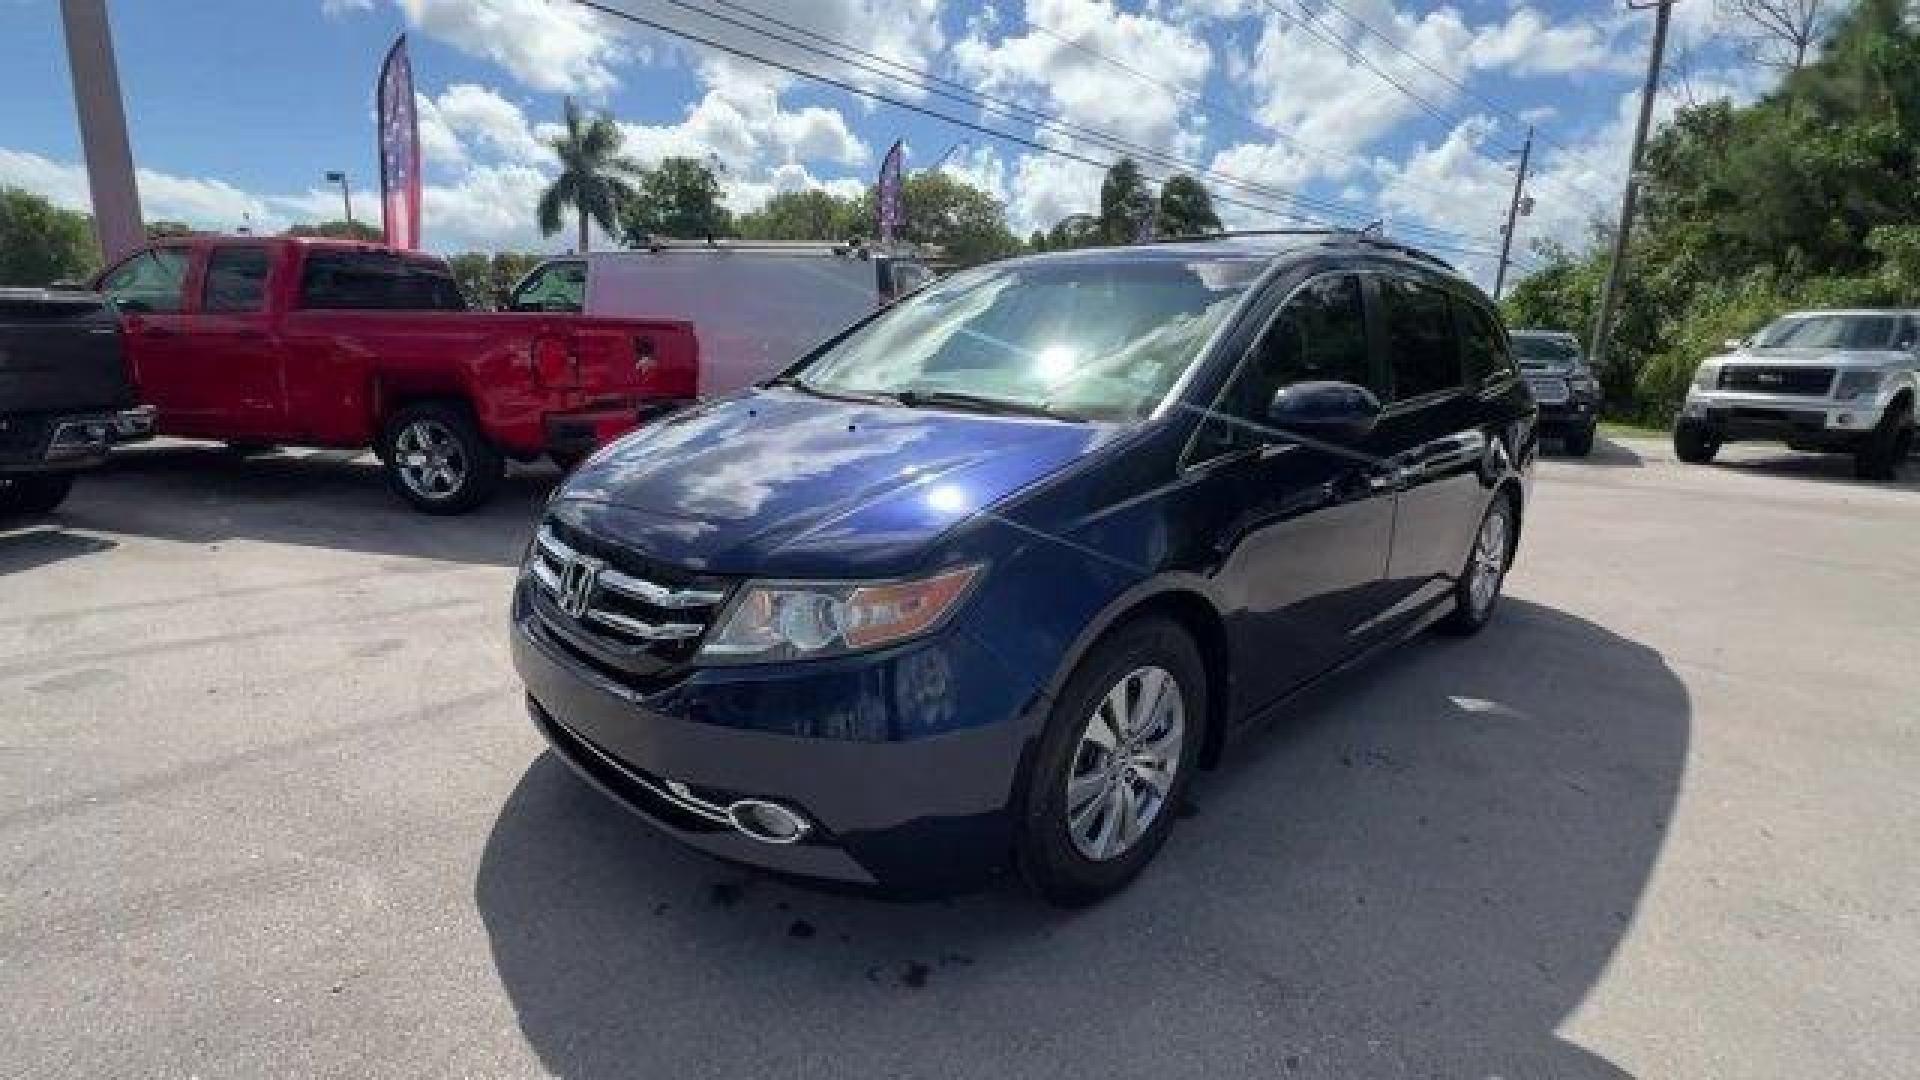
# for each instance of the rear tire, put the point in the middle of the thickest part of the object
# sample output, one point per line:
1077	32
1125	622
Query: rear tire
1694	442
36	493
1579	442
1113	764
1477	592
438	459
1886	450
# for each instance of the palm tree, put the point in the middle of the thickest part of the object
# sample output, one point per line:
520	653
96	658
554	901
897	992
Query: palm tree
594	178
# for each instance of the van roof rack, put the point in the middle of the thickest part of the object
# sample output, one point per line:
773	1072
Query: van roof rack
853	246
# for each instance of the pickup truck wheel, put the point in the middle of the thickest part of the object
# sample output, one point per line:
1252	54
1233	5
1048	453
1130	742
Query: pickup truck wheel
34	494
438	459
1884	451
1694	442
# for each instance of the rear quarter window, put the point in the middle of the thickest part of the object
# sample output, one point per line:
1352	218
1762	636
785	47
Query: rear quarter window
376	281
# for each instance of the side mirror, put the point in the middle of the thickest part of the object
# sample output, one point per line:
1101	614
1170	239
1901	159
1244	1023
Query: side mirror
1334	411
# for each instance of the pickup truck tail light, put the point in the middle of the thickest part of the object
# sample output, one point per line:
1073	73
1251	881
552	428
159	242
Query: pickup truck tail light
555	363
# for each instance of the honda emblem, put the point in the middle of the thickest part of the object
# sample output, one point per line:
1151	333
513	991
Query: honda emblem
578	581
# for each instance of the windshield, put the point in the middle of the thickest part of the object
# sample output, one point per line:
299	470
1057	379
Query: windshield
1834	332
1535	350
1101	340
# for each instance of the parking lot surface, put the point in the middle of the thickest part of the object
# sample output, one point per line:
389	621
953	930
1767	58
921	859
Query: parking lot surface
269	806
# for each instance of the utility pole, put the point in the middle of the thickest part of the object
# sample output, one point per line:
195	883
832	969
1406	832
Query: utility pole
1513	214
1656	56
103	128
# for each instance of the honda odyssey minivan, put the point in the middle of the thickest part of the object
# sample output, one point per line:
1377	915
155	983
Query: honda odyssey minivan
982	582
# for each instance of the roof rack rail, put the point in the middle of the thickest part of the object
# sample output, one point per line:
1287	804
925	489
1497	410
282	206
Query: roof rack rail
1231	234
854	247
1372	233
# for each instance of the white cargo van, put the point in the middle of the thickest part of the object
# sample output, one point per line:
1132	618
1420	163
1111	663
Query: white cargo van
756	306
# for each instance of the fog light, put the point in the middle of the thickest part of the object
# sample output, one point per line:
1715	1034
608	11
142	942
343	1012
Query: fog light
769	823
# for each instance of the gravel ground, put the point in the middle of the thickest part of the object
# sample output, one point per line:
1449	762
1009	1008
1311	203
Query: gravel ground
269	807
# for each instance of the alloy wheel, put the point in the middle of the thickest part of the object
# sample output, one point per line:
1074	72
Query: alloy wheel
430	459
1124	766
1489	559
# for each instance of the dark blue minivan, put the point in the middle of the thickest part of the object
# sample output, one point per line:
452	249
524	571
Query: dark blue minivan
980	583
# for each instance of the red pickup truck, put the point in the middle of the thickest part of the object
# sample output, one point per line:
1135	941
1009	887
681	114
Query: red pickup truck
262	341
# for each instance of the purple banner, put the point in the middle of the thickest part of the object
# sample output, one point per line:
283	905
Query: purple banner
893	215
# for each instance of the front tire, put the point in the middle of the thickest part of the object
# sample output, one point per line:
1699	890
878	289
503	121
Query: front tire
1880	457
438	459
1578	442
1694	442
1477	591
1113	763
36	493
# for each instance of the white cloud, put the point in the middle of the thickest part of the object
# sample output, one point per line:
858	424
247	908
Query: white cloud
477	114
198	201
555	47
1075	84
1528	43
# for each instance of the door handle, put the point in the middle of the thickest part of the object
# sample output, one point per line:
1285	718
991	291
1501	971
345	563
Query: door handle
1387	478
155	331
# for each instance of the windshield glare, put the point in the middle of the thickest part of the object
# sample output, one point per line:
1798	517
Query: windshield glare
1102	340
1832	332
1539	351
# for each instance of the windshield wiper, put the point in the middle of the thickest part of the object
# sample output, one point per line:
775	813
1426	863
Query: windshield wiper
954	399
861	396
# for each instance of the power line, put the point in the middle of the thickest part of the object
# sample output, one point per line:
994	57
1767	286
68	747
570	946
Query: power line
935	84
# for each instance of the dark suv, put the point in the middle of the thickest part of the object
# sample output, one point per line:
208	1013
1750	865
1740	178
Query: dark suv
980	582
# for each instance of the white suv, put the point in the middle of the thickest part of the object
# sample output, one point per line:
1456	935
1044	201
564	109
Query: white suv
1830	381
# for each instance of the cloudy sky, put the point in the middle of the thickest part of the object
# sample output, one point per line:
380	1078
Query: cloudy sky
1328	110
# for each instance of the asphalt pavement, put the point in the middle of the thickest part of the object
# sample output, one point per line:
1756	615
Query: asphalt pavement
269	806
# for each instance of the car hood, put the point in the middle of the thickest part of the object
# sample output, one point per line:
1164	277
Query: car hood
778	483
1848	358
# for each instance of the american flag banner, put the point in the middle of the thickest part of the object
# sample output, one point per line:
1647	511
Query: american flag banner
399	150
893	216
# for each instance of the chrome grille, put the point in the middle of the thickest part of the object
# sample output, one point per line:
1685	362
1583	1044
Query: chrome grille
1799	381
1547	390
632	611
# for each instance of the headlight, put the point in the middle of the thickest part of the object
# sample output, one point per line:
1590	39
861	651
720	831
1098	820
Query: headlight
1706	376
1858	384
798	620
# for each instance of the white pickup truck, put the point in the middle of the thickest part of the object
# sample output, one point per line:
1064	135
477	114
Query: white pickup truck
1825	381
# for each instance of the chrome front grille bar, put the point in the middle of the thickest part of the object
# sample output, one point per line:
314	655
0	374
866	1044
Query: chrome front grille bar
638	588
551	583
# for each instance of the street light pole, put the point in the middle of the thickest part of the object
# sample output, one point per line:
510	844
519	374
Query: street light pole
1513	214
346	192
1656	54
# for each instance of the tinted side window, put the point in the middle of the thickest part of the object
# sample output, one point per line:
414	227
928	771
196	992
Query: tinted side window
1482	347
1319	336
1420	338
376	281
154	280
236	280
553	287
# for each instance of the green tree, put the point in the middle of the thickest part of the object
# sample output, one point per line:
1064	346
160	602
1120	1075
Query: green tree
484	277
1125	202
966	224
813	214
1074	231
595	181
680	197
1186	208
40	243
340	230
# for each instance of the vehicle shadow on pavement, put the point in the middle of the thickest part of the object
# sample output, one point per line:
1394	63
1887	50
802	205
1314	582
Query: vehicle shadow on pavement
1421	872
1822	468
26	548
200	494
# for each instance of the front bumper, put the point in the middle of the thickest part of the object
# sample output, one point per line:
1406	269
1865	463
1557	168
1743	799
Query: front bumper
911	815
1563	417
64	441
1734	416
